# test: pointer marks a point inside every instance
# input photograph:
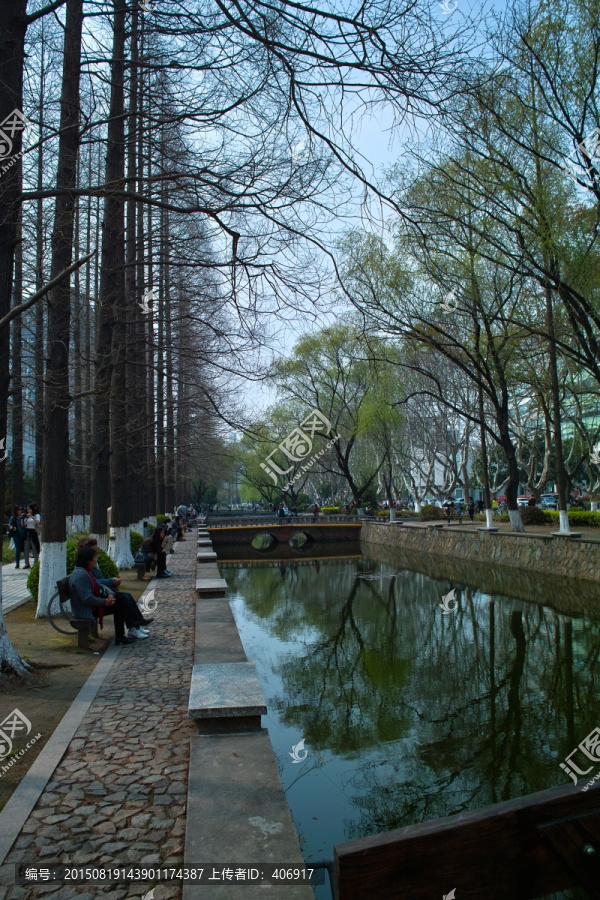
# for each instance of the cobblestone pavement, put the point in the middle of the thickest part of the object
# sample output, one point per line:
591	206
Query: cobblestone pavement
118	796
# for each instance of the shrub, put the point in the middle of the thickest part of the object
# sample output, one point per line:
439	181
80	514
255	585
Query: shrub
531	515
160	520
105	563
577	517
432	513
135	541
330	510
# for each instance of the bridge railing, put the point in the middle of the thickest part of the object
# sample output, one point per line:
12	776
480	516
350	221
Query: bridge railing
275	521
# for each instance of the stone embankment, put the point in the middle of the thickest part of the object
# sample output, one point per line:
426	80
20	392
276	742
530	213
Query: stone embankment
556	571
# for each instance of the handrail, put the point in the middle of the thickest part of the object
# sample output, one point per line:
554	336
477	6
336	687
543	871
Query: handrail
276	522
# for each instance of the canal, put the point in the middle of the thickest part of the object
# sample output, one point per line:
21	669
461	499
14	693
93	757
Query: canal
399	711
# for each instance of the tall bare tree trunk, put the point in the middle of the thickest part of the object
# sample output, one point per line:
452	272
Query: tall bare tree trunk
113	297
17	378
13	25
39	281
53	563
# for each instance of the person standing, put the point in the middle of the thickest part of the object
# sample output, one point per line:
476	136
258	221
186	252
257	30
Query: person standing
471	509
32	532
16	530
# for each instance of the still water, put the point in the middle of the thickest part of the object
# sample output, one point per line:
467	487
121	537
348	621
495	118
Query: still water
407	713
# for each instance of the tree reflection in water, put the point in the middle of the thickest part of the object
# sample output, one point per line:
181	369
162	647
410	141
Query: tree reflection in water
436	713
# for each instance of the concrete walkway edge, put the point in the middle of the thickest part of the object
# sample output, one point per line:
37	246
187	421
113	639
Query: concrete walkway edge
22	802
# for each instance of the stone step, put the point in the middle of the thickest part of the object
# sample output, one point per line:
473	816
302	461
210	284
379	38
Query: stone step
204	542
206	556
237	812
217	639
207	570
216	587
226	698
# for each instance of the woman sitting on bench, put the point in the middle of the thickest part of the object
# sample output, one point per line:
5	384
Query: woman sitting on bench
86	594
134	615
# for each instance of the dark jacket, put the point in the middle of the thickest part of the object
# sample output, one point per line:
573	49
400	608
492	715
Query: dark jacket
17	532
81	594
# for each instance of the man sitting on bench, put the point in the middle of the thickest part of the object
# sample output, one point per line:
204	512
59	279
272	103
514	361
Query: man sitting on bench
86	594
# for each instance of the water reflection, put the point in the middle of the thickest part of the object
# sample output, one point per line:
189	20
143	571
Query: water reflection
409	714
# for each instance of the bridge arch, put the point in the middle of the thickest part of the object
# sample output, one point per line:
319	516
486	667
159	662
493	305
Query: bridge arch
264	542
301	541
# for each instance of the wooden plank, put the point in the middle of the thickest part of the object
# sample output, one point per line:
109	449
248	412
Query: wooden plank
498	852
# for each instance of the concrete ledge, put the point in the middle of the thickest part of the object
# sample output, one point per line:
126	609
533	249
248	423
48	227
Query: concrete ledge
525	534
204	542
487	530
574	535
237	813
215	586
217	638
206	556
226	691
207	570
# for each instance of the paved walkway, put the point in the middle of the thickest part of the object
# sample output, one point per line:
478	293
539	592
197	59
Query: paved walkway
118	796
14	587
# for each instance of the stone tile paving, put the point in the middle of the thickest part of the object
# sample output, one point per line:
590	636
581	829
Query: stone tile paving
118	796
14	586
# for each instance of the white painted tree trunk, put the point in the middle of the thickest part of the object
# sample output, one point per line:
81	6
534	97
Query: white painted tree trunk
9	658
489	518
594	506
563	518
515	520
102	541
392	513
79	523
53	566
120	549
417	506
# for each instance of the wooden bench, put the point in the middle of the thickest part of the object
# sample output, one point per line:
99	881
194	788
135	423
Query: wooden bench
83	627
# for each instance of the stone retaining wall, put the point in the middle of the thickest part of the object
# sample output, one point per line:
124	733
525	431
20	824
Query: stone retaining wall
561	573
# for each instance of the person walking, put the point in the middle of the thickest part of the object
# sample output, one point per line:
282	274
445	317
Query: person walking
531	501
459	511
471	509
16	530
447	507
32	532
494	507
480	506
